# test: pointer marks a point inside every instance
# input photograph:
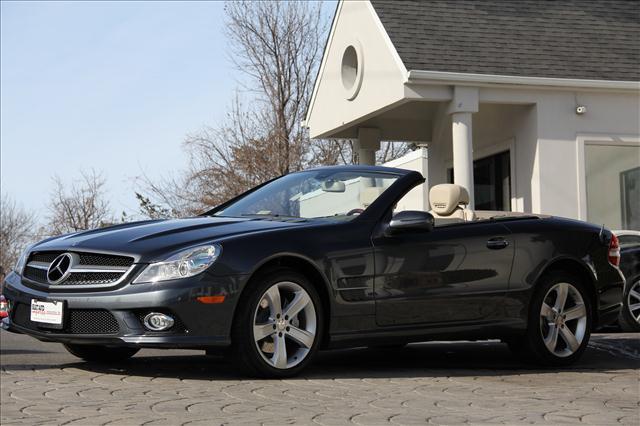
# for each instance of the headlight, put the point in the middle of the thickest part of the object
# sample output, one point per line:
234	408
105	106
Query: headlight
184	264
20	263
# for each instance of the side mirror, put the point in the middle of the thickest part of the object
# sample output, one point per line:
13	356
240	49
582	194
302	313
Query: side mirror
411	221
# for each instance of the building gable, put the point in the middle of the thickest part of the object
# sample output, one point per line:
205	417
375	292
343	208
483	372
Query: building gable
360	73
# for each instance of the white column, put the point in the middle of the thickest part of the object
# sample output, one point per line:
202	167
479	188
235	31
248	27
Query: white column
462	106
463	152
367	144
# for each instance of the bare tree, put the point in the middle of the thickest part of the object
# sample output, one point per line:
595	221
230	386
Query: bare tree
80	205
16	232
277	46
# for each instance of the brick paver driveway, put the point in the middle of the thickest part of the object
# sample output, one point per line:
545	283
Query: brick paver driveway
435	383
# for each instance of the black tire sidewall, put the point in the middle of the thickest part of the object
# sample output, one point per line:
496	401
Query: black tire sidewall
536	348
244	350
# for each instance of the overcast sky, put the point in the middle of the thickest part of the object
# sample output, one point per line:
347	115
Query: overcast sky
110	86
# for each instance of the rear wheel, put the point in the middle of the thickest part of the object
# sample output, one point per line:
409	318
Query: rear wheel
630	313
278	326
103	354
559	323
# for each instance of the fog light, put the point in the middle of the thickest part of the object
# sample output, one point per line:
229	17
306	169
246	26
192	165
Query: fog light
158	322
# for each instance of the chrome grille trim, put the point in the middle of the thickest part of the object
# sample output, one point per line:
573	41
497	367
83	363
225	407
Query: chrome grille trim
38	265
80	271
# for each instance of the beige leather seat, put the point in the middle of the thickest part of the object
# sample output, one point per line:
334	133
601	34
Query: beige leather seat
449	201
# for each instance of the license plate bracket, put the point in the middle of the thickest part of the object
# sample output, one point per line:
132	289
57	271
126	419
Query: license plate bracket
48	313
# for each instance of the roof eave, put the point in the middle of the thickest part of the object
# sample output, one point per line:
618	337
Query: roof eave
420	76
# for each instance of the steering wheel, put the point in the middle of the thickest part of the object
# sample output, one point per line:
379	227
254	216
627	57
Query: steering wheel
354	211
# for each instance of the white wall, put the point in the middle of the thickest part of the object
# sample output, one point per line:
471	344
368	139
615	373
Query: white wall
560	130
545	134
418	197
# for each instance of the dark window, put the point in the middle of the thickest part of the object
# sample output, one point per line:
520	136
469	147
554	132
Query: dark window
628	241
492	182
630	198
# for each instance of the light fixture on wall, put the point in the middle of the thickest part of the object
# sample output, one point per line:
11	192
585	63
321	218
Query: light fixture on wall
581	109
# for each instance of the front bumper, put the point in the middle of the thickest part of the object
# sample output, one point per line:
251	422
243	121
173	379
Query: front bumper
114	317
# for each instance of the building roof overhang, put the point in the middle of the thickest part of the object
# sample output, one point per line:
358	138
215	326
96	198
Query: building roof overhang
452	78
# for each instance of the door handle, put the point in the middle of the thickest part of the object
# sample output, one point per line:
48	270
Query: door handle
497	243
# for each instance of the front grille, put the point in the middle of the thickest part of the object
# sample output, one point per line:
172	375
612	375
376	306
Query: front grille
35	274
93	269
77	321
89	278
92	321
46	256
105	260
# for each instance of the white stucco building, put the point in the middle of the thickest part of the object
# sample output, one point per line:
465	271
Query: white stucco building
534	105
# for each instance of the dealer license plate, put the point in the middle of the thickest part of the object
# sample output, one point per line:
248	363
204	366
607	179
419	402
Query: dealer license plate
47	312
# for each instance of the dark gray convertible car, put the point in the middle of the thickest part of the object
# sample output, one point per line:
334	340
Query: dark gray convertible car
320	259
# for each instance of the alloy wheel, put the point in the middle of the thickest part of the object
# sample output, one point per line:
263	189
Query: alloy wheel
633	301
284	325
563	320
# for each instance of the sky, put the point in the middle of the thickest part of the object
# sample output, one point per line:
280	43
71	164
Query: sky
109	86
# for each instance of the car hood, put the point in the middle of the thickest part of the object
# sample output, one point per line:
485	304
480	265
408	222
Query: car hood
151	240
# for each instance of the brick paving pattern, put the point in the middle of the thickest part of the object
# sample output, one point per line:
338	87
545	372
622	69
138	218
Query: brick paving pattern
432	383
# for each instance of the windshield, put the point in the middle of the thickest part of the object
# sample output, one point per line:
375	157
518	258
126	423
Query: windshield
313	194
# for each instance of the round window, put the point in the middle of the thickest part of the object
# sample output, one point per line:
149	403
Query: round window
349	67
351	70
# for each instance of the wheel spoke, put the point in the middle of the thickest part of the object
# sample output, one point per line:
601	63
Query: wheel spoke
569	339
552	338
299	302
275	304
635	294
561	296
634	307
546	311
575	312
280	353
302	337
260	331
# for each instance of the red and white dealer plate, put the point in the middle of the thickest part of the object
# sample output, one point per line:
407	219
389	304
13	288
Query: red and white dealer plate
47	312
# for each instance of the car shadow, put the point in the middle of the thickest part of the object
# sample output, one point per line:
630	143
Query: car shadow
434	359
21	352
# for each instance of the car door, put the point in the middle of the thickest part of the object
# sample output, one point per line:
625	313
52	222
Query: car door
453	273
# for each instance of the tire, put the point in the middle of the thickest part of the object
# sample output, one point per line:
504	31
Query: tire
101	354
574	317
630	312
276	351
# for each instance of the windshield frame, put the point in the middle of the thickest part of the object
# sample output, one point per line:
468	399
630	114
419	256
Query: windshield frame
406	180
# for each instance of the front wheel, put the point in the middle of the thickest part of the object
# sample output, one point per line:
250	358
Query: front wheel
278	326
102	354
559	323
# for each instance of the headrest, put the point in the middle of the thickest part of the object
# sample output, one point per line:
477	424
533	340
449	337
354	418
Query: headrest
368	195
446	197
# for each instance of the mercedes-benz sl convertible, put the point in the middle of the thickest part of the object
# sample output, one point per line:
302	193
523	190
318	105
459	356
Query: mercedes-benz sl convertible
321	259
